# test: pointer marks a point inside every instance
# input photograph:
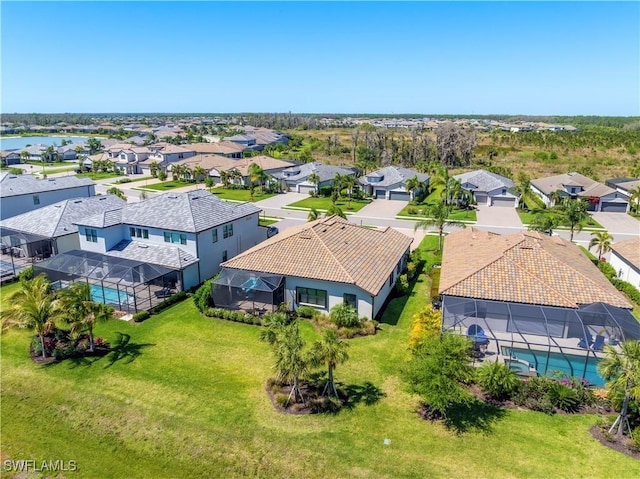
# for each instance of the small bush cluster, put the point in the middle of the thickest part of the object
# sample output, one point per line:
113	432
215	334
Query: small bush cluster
497	380
124	180
307	312
230	315
202	297
627	288
544	394
402	284
345	316
412	210
141	316
61	344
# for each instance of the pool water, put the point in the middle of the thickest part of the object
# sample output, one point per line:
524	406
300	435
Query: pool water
109	295
548	363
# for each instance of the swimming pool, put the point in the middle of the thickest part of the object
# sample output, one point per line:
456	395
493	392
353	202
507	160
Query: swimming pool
110	295
549	363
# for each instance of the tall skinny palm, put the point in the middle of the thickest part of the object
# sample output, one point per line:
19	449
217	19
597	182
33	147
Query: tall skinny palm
438	216
314	179
349	182
621	368
412	185
574	213
330	351
335	210
602	240
33	307
524	188
313	215
634	199
82	311
256	177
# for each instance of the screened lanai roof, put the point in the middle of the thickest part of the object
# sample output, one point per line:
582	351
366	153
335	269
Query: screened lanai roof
248	280
98	266
24	238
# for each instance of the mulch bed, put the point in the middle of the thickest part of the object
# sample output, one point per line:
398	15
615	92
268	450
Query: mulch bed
620	446
310	392
99	351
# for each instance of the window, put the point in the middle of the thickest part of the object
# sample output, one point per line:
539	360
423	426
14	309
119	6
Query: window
175	237
398	267
391	279
351	300
214	235
224	256
91	235
183	239
36	200
167	237
317	297
140	233
227	230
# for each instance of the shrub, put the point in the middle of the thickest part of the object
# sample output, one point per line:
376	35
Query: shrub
36	345
497	380
402	284
141	316
282	399
202	297
15	171
634	439
343	315
308	312
543	405
425	323
411	270
325	191
26	274
608	270
124	180
563	397
626	288
170	301
412	210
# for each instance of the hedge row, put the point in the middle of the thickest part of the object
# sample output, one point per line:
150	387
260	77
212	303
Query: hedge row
170	301
238	316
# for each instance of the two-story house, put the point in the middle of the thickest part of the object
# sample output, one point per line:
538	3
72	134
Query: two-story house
133	255
391	183
22	193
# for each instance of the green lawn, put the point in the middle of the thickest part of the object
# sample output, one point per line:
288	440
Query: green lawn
527	217
266	222
5	292
133	181
166	185
240	194
462	215
54	170
99	176
323	203
185	398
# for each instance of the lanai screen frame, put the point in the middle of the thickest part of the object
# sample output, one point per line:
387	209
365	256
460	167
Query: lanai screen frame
248	290
138	285
541	328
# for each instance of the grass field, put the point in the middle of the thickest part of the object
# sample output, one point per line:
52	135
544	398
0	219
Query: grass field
184	397
322	203
99	176
527	218
240	195
166	185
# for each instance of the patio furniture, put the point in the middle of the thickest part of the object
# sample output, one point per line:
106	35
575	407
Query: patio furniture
477	335
585	342
599	343
163	293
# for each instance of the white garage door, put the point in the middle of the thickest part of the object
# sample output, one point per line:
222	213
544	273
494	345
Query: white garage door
305	189
481	199
510	202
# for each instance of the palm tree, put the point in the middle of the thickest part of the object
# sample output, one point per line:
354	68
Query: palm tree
199	173
438	216
314	179
114	190
544	222
622	371
338	182
603	241
574	212
330	351
256	176
33	307
24	156
224	178
153	168
634	199
314	214
555	197
335	210
349	182
82	311
524	188
412	185
235	176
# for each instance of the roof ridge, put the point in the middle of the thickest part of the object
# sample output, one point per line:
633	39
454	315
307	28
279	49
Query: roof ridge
331	252
62	211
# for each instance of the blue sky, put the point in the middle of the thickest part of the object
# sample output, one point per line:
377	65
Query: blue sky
427	57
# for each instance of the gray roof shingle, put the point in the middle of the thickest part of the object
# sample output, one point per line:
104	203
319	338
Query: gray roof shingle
60	218
15	185
169	256
484	180
392	175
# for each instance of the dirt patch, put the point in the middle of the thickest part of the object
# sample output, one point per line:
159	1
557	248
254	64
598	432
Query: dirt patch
617	445
314	402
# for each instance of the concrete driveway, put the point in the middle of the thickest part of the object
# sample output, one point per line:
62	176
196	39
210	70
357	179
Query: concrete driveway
280	200
499	218
618	223
379	209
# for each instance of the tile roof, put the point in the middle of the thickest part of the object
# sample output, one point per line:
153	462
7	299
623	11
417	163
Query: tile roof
329	249
15	185
590	187
191	212
221	148
629	250
392	175
527	267
629	185
59	219
223	163
325	172
484	180
169	256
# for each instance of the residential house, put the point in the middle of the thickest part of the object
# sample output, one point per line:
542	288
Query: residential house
189	232
38	234
391	183
574	185
23	193
624	185
296	178
223	148
488	188
625	259
8	158
533	297
319	264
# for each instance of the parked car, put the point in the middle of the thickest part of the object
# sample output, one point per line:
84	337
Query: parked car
272	231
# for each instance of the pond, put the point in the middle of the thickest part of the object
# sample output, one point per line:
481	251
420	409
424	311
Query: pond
17	142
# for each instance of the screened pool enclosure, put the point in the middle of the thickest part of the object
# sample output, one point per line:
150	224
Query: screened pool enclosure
543	340
248	291
125	284
19	250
